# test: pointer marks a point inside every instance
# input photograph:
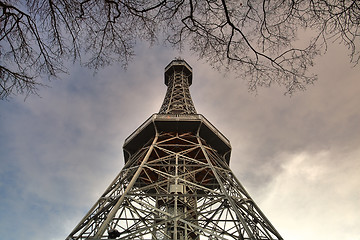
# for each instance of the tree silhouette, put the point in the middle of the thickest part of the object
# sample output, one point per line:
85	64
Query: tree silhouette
259	40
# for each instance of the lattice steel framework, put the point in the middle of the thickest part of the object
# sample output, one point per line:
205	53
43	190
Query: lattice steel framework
178	78
176	184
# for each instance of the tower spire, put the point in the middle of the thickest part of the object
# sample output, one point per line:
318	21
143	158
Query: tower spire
178	78
176	183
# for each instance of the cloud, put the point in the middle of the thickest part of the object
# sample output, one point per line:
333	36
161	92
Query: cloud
297	156
261	127
60	151
313	197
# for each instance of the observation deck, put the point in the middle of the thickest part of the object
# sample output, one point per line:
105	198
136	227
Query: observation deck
195	123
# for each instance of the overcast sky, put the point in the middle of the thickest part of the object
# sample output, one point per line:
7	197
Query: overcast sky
298	157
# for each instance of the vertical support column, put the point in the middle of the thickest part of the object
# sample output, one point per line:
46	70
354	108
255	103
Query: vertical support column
176	197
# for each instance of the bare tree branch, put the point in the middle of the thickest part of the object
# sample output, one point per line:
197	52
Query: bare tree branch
255	39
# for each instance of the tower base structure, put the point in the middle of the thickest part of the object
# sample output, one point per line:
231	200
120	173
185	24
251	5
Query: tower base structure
176	185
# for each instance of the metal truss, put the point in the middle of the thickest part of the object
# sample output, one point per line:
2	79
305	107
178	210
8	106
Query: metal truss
177	99
176	186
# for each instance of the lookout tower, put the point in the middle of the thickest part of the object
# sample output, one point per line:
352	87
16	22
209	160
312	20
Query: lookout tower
176	183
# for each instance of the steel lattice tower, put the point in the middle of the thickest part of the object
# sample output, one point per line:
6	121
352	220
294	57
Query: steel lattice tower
176	182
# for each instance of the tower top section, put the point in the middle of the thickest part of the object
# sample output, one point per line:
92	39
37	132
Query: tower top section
178	78
178	65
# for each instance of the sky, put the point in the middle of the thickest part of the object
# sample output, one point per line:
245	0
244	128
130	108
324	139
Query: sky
298	156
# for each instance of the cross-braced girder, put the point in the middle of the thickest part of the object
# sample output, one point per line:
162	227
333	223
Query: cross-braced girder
177	99
175	187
